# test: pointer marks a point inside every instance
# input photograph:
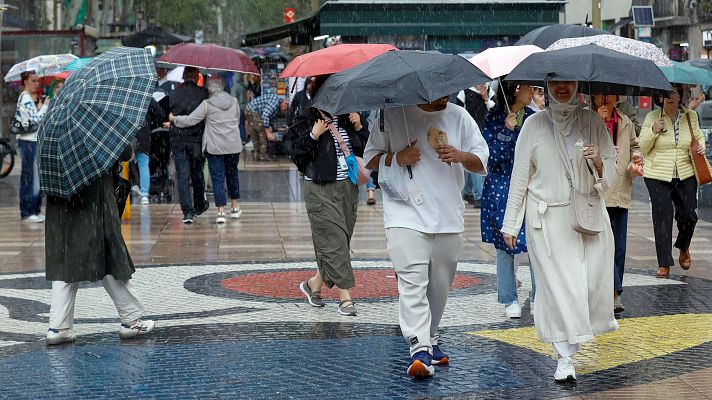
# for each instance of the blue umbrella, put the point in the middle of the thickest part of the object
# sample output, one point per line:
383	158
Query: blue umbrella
93	119
685	73
77	64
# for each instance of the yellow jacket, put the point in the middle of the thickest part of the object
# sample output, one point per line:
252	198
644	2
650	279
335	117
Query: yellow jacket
660	152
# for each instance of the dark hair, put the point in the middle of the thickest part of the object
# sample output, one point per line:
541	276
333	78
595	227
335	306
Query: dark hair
25	76
593	103
506	91
659	100
190	74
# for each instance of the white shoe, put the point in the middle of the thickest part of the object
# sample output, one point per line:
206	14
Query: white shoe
56	336
144	200
236	213
221	219
513	310
138	328
565	370
531	307
35	218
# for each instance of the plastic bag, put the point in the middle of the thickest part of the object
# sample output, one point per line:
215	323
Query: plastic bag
393	180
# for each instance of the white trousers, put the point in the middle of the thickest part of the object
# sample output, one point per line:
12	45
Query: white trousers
426	266
566	349
61	312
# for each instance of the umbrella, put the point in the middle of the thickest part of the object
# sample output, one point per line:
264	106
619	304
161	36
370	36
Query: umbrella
93	119
77	64
175	75
154	35
685	73
499	61
624	45
333	59
600	70
397	79
703	63
545	36
41	65
209	56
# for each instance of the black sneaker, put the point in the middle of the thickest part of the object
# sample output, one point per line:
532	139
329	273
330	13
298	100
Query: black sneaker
187	218
202	210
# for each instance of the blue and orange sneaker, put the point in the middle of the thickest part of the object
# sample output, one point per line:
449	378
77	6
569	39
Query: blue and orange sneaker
439	358
420	366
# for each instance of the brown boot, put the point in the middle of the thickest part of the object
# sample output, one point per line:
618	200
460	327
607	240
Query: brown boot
663	272
685	259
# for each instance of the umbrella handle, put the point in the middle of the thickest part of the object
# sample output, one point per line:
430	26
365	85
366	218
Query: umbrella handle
504	95
405	124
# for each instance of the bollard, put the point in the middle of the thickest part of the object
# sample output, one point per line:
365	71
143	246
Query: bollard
125	175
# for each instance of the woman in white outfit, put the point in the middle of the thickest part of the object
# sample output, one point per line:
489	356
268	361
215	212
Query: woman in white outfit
574	271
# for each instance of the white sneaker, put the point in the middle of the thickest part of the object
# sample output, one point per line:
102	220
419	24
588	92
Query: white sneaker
35	218
138	328
221	219
531	307
513	310
144	200
565	370
56	336
236	213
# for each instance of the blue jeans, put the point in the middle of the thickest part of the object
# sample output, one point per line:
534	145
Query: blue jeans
144	173
224	166
473	184
619	224
370	185
30	199
507	282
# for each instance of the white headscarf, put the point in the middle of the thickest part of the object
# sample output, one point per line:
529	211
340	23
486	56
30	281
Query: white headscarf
563	113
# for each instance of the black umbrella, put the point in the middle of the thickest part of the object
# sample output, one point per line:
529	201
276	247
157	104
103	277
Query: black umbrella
397	79
598	69
154	35
545	36
703	63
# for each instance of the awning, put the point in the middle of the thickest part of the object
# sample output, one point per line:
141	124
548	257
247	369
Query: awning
300	31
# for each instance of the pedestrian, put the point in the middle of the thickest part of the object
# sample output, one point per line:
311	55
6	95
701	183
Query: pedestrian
301	102
186	146
538	102
477	100
221	144
503	125
330	197
259	115
424	231
83	242
561	152
629	161
665	140
30	110
154	118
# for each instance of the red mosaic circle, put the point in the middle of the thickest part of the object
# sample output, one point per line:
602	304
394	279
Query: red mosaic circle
370	284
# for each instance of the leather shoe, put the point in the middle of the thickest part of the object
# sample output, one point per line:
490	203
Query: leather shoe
663	272
685	259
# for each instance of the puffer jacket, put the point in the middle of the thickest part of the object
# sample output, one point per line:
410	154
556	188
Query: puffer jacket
660	152
627	144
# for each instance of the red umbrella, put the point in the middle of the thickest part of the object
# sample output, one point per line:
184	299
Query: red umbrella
210	56
333	59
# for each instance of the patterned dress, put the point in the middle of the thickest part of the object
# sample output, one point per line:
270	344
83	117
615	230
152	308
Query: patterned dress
501	142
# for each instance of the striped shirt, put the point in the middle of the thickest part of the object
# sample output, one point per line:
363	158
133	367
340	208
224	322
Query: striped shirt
341	173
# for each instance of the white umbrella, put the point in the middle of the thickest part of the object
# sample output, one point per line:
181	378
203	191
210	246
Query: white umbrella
42	65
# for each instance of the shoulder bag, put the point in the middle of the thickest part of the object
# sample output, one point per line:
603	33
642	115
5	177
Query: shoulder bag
700	163
16	126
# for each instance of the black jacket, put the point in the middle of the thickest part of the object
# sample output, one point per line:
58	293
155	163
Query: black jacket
300	104
317	158
154	118
184	100
476	107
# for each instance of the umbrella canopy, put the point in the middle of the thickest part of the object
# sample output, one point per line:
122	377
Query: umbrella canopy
624	45
42	65
333	59
154	35
94	118
545	36
600	70
499	61
77	64
397	79
703	63
210	56
685	73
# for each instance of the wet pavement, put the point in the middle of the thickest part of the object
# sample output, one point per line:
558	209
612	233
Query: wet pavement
231	322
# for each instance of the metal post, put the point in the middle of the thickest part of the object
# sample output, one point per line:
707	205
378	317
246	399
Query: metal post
596	13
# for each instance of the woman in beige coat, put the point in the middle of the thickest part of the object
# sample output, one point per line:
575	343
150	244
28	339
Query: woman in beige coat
574	271
665	140
629	163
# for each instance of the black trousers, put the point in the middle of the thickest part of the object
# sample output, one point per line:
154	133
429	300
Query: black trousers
682	195
189	161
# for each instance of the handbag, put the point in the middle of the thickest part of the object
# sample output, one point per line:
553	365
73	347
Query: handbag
122	189
16	127
358	174
700	163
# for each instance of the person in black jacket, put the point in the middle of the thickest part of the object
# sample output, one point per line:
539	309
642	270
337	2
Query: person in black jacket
301	102
331	198
186	146
154	118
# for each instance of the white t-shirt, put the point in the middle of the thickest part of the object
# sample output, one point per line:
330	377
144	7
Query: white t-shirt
442	209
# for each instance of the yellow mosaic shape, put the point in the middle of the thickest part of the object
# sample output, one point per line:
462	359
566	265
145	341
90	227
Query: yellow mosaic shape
638	339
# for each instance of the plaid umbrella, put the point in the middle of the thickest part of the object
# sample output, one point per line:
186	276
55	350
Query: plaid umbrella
42	65
631	47
93	119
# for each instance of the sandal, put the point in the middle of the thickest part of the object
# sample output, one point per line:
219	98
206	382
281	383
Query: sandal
347	307
663	272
